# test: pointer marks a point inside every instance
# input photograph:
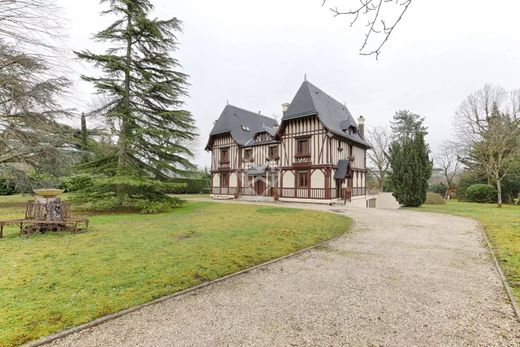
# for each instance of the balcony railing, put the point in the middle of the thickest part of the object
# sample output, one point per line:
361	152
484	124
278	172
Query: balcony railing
300	193
303	193
224	190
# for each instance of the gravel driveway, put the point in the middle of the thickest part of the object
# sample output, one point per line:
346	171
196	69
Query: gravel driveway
400	278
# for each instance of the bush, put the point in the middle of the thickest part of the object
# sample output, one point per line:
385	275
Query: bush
6	188
434	199
467	179
190	186
481	193
439	188
77	182
134	192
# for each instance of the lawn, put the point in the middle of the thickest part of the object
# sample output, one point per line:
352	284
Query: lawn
502	225
55	281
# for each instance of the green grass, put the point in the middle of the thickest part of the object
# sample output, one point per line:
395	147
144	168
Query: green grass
54	281
502	225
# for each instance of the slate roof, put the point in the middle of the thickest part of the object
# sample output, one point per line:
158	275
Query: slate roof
256	170
342	169
310	100
242	125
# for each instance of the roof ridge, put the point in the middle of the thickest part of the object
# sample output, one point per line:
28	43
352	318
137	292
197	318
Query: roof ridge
308	85
252	113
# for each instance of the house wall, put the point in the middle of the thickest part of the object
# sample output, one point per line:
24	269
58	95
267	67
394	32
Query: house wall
339	150
224	141
301	127
260	154
325	151
288	179
359	157
318	179
216	180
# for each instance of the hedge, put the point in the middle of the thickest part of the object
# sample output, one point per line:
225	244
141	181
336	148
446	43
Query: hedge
192	186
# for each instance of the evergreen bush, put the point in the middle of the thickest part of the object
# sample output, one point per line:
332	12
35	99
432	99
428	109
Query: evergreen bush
434	199
481	193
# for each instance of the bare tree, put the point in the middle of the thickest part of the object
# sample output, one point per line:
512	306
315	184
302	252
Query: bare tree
488	125
30	86
380	139
382	18
472	116
31	23
447	159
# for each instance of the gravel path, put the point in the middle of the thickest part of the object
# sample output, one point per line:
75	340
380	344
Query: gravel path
401	278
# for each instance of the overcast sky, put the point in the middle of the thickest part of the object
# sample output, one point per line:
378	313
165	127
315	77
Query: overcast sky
255	54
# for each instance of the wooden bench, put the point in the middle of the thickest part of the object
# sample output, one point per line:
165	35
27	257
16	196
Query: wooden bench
74	222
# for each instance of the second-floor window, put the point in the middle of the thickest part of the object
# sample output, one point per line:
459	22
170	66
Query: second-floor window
273	152
302	147
248	153
224	156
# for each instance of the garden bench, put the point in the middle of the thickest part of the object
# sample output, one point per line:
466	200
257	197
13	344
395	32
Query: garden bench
37	224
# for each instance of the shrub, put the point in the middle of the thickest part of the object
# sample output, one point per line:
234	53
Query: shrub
439	188
467	179
434	199
77	182
136	193
5	187
190	186
481	193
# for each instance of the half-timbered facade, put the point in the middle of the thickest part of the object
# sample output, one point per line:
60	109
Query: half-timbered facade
316	154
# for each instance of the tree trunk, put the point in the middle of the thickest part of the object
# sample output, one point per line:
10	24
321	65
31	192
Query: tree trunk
84	138
448	188
499	192
123	135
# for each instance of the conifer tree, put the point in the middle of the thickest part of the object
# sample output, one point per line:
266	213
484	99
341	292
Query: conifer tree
144	89
406	124
411	165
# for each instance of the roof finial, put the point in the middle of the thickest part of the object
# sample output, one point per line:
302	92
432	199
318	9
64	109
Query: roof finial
227	101
305	77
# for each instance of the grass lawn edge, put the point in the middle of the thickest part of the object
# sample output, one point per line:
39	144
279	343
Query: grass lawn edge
98	321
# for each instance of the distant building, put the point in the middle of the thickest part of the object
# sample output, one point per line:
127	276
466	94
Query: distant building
316	154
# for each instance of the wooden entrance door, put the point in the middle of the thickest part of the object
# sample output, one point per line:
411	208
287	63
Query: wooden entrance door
260	186
338	189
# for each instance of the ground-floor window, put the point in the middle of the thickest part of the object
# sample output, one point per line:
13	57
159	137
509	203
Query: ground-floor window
302	179
224	179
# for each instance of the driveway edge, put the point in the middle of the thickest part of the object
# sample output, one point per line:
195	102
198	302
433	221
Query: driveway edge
507	288
48	339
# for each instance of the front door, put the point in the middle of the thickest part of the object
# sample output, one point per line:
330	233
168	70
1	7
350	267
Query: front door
338	189
260	185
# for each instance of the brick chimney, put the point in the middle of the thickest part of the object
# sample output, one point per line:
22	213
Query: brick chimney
361	125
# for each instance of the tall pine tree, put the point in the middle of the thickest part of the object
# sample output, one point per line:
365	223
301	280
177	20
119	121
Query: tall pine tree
410	163
144	87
